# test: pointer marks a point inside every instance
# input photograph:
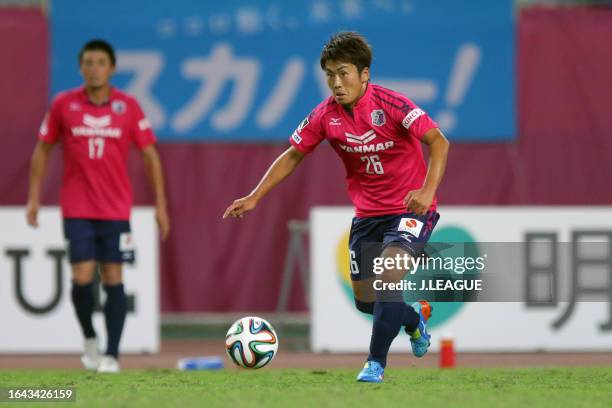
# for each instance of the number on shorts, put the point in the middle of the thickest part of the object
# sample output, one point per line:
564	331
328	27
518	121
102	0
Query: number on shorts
354	266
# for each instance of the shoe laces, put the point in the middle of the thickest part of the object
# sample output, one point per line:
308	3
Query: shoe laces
373	367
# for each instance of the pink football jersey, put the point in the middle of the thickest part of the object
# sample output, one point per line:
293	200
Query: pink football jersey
379	144
96	141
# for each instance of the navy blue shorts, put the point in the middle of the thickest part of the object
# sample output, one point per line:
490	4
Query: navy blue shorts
99	240
369	236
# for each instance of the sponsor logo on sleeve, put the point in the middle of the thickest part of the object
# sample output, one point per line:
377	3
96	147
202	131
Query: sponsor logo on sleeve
411	117
296	135
44	126
144	124
296	138
411	226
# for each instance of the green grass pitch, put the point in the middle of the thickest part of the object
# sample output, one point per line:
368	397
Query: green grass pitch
424	388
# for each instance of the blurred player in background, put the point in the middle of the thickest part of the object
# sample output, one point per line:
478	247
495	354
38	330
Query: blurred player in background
96	124
378	134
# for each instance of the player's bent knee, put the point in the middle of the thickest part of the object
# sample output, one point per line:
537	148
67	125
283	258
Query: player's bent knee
112	274
364	307
364	290
83	272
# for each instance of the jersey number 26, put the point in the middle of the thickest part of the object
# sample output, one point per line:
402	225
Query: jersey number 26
373	164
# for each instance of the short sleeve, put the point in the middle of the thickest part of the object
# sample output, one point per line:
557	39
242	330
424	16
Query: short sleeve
51	126
406	114
417	122
308	134
142	133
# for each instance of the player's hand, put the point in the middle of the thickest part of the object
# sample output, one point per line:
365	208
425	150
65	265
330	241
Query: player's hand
163	221
418	201
240	206
32	213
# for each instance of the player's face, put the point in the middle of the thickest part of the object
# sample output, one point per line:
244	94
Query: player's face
96	68
345	81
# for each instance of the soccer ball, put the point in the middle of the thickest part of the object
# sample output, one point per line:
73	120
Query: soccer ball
251	342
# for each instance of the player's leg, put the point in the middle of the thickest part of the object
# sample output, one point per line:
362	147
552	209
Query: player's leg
406	237
115	307
364	240
390	311
82	295
115	248
364	243
365	296
82	253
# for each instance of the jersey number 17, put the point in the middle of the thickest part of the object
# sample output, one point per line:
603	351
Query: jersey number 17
96	147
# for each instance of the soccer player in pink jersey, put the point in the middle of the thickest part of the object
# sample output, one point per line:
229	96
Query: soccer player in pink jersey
378	135
96	124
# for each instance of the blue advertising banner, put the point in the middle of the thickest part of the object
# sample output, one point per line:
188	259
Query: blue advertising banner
249	70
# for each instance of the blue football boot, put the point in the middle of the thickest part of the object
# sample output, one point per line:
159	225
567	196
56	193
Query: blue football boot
420	340
372	372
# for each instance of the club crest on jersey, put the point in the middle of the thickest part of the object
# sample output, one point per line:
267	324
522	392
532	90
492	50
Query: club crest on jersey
378	117
118	107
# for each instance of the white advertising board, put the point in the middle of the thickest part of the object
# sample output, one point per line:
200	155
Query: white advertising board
337	326
36	312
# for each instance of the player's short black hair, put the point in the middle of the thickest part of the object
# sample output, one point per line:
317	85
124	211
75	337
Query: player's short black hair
98	45
347	46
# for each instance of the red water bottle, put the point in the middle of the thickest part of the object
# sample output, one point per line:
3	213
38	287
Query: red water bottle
447	353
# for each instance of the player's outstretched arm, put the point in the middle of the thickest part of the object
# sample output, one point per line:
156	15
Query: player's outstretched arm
282	167
155	173
38	167
419	201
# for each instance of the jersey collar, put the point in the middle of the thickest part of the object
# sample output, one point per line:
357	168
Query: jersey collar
363	101
85	97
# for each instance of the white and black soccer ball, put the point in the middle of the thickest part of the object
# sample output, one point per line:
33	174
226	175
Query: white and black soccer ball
251	342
